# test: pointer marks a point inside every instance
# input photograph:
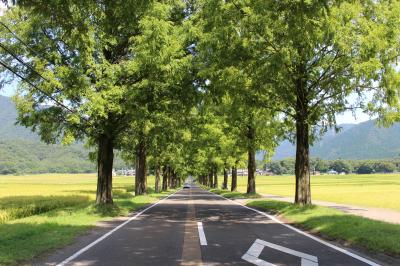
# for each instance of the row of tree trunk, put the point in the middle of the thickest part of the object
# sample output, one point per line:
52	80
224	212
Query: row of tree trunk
105	159
211	179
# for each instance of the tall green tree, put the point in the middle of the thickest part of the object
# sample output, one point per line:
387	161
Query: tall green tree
228	67
87	67
306	56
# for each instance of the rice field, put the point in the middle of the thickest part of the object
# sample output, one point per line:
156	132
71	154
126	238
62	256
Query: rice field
374	190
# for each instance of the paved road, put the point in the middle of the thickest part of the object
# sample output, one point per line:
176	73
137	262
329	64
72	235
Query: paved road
195	227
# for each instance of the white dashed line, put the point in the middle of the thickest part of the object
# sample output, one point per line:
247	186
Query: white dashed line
202	236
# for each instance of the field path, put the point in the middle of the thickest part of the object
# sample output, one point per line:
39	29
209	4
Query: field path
378	214
196	227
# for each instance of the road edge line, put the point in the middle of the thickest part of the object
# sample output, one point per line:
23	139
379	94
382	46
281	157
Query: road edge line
351	254
98	240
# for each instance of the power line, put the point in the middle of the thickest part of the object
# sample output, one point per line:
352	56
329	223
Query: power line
37	73
36	87
22	62
19	39
57	102
36	53
33	70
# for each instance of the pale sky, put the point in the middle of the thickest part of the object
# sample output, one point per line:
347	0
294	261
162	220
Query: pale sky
2	8
348	118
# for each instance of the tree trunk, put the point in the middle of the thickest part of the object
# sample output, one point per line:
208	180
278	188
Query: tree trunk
105	158
302	166
170	185
251	162
225	183
202	179
234	178
210	179
141	168
173	179
215	184
165	179
157	181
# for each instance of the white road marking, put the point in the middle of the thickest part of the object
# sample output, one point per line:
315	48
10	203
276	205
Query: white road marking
255	250
355	256
256	261
202	236
287	250
81	251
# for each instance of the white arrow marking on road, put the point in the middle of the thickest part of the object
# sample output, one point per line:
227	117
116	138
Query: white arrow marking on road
257	247
202	236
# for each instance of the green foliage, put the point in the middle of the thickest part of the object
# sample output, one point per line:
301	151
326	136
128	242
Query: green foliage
341	166
365	168
286	166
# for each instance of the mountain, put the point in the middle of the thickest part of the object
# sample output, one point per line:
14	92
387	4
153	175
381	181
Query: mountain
22	152
8	129
355	141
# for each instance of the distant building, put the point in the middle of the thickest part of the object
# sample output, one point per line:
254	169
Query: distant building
125	172
242	172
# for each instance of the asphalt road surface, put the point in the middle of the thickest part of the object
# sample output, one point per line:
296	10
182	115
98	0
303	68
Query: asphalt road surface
196	227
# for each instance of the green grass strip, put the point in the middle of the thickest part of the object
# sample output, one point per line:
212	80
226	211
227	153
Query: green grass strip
373	235
234	194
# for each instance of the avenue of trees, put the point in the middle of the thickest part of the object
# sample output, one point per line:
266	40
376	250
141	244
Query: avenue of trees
198	86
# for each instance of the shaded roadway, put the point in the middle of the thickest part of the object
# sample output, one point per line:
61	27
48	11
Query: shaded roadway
167	234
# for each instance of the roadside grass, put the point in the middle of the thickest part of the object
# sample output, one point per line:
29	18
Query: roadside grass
49	211
331	224
234	194
374	190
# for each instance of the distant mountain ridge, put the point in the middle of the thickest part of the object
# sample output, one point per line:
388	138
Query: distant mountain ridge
8	129
21	150
355	141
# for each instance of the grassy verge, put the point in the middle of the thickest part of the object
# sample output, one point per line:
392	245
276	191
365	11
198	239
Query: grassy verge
234	194
32	225
334	225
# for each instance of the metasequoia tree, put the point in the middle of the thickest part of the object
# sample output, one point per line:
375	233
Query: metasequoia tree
227	66
86	66
305	56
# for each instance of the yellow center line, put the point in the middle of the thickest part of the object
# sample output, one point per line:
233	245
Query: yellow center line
191	252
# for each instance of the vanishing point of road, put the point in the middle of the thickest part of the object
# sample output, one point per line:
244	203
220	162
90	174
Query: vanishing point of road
196	227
